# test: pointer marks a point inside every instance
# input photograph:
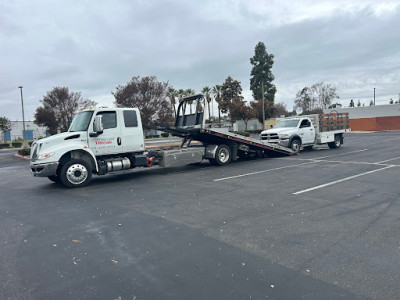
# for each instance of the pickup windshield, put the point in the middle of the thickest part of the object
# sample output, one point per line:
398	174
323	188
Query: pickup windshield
81	121
287	123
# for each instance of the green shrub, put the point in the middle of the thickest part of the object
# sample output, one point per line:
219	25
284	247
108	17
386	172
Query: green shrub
257	131
165	134
30	143
24	151
16	144
4	145
152	136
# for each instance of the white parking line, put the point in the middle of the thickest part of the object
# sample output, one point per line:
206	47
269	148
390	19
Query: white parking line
344	153
383	161
264	171
392	139
340	180
334	155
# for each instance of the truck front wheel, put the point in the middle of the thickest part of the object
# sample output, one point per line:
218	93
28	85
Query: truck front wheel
222	156
295	146
54	178
76	173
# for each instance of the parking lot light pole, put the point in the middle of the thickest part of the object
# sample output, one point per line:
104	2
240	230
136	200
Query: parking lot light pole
374	96
23	114
263	106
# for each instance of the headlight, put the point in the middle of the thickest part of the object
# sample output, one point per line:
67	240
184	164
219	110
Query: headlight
45	155
284	136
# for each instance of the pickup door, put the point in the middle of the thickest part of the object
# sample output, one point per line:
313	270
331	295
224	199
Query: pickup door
307	132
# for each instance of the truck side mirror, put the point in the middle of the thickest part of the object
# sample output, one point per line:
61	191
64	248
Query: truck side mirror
98	124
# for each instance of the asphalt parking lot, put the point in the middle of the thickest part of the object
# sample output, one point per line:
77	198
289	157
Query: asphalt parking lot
324	224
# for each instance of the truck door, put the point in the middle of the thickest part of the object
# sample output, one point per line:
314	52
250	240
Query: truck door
131	130
307	132
108	142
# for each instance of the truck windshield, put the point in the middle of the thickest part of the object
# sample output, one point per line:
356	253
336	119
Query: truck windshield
287	123
81	121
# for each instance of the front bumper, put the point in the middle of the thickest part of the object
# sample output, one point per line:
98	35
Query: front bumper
284	143
44	170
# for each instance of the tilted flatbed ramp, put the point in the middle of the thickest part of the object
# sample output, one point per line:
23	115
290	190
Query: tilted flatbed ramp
219	134
192	127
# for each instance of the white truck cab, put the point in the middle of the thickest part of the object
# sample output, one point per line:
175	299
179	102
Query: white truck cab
94	139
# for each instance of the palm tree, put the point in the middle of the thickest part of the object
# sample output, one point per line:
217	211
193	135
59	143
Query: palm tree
172	94
216	90
206	91
190	92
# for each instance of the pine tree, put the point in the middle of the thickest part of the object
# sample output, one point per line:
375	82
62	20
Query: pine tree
261	75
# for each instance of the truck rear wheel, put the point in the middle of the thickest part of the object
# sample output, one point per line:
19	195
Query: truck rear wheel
336	143
295	146
222	156
76	173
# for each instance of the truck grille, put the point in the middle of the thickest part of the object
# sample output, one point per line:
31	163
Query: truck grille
272	137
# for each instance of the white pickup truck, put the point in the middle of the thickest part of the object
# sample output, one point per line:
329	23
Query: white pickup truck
307	131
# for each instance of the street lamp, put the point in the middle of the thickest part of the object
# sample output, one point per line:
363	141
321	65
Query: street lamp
374	96
263	105
23	115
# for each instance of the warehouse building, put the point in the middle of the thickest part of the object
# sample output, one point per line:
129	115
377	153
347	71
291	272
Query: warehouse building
32	132
372	118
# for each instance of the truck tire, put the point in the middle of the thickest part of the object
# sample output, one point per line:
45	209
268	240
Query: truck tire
222	156
336	143
54	178
295	146
76	173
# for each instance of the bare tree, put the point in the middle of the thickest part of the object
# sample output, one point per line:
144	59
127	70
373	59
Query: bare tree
315	98
324	94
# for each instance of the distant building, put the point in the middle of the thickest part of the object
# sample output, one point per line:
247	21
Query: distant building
372	118
252	124
32	131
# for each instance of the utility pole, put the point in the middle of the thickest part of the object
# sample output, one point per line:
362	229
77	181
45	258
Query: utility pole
23	114
374	96
263	105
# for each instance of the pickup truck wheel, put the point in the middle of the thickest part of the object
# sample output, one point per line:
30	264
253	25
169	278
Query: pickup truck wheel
295	146
336	143
54	178
222	155
76	173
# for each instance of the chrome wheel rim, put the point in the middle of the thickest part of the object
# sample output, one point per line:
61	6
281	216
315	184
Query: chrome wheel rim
223	155
295	147
77	174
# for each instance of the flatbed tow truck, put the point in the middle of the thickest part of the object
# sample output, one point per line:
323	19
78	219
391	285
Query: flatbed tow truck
104	140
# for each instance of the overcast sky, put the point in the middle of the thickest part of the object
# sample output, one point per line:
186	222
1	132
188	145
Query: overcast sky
92	46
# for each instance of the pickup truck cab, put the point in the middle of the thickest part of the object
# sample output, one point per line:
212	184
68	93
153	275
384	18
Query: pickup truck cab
307	131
